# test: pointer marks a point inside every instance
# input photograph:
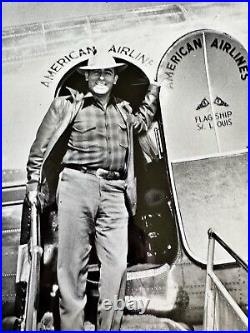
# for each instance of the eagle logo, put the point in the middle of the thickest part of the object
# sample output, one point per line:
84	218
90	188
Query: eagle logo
204	103
220	102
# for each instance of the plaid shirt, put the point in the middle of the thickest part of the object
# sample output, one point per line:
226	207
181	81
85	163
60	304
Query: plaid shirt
98	138
95	133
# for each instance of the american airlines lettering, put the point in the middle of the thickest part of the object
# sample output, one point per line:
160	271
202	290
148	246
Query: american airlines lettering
64	60
178	55
139	57
132	53
234	53
196	44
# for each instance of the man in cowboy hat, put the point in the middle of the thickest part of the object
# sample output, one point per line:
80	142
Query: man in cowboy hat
96	189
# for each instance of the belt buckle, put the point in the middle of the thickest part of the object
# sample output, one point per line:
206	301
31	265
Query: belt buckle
110	175
105	174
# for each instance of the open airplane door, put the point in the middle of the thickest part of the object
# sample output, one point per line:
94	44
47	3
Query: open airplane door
203	120
204	111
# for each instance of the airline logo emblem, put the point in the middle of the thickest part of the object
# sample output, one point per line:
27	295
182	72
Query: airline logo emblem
218	101
204	103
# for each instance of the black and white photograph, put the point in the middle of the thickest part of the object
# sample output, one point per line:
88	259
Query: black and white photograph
124	166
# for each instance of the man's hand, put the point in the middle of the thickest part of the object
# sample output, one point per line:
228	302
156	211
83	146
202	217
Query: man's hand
156	82
136	123
32	197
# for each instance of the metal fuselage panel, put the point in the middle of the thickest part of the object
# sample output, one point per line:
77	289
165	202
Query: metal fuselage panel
37	60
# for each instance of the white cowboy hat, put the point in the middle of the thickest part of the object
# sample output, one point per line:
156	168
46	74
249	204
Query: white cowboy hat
101	61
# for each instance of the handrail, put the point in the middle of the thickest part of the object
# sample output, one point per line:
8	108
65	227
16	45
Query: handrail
213	234
32	300
212	278
228	298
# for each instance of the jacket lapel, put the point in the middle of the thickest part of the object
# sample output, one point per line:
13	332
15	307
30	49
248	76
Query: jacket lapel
69	112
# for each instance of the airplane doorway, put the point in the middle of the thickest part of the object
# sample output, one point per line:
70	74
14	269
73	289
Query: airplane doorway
153	239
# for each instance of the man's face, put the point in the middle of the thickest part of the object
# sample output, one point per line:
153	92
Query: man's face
101	81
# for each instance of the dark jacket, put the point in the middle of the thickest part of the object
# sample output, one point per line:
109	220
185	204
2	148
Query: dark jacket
44	163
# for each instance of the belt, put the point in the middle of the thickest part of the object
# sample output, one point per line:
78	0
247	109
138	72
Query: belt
100	173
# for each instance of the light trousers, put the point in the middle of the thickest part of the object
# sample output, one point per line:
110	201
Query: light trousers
89	207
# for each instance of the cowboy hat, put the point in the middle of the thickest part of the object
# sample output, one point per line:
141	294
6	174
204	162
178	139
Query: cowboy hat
101	61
